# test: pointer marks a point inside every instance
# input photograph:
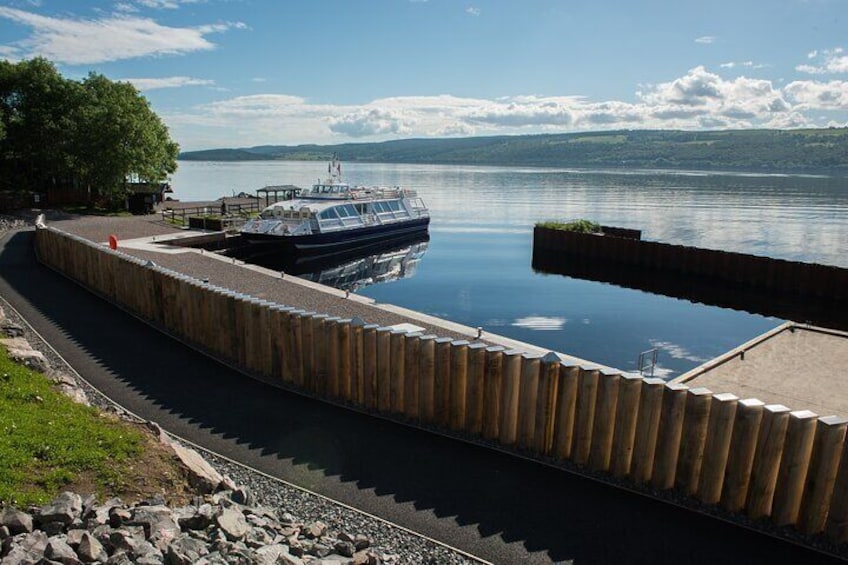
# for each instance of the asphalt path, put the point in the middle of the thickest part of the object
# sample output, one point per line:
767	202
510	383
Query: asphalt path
502	508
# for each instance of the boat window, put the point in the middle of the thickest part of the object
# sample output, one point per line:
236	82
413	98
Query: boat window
328	214
381	207
394	205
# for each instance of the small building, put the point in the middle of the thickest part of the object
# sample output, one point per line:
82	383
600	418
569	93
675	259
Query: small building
143	197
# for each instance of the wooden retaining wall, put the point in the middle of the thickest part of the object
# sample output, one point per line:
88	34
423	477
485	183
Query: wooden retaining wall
769	462
804	292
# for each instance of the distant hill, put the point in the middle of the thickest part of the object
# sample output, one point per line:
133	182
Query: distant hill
808	150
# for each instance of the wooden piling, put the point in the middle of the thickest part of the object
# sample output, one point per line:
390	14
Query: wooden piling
767	460
492	392
314	353
331	329
527	399
296	347
800	436
510	393
546	401
836	527
740	460
458	382
357	362
668	436
566	411
369	365
695	422
626	415
442	382
603	429
384	374
397	344
344	377
427	378
717	446
411	378
647	428
821	475
474	391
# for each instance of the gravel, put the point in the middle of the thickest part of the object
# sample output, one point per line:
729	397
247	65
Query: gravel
393	543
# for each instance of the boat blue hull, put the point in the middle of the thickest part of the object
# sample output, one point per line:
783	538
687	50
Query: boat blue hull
345	239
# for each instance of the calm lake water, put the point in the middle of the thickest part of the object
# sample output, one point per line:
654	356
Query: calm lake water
476	268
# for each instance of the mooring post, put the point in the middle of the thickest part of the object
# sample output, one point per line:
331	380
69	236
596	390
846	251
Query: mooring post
740	460
647	429
606	407
458	383
442	382
821	475
717	446
474	390
492	392
800	436
527	399
369	365
767	460
698	402
508	425
546	401
626	415
669	434
426	378
396	392
384	367
411	377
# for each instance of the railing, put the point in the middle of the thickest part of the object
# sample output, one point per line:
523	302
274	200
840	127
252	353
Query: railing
180	216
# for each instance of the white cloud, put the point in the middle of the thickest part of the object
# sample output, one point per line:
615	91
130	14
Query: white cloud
705	39
829	61
807	94
540	323
676	351
743	64
82	41
166	4
167	82
472	11
371	122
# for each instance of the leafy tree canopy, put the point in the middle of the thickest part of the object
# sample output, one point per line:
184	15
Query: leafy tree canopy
91	135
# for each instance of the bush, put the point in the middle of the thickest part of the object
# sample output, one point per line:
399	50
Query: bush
579	226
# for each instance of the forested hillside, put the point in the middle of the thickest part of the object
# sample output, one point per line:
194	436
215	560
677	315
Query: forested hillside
810	150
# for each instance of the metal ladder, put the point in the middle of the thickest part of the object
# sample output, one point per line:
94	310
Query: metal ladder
649	356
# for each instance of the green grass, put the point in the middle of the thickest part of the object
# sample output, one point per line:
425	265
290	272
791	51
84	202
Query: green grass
580	226
84	210
47	441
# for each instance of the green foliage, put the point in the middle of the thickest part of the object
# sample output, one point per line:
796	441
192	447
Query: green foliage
580	226
46	440
809	151
92	135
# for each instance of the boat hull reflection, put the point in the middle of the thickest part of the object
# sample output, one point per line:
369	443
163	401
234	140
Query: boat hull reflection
389	260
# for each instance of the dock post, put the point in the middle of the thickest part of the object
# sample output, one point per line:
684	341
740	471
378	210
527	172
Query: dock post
717	446
547	403
603	429
566	411
492	392
800	436
836	527
668	436
695	421
647	429
442	382
740	459
344	376
331	332
458	382
821	476
398	368
426	378
508	425
411	378
357	361
384	374
767	460
626	416
527	399
369	365
474	390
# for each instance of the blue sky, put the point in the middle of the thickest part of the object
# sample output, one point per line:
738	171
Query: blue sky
237	73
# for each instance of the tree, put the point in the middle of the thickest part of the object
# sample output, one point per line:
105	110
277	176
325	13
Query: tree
95	134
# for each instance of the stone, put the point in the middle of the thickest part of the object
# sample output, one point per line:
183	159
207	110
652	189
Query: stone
201	474
11	329
158	522
74	537
361	542
232	523
185	550
195	517
344	548
53	528
120	558
75	393
90	550
118	516
21	352
25	548
243	496
65	508
17	521
58	550
316	529
126	539
4	532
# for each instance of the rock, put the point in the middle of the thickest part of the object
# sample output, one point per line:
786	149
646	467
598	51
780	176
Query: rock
75	393
65	508
232	523
344	548
316	529
194	517
243	496
120	558
118	516
53	528
90	550
4	532
185	550
25	548
21	352
127	539
74	537
202	475
361	542
58	550
17	521
11	329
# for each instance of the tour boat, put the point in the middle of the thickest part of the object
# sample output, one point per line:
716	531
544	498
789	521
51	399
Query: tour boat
337	215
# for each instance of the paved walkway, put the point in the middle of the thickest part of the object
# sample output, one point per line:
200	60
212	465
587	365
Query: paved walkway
801	367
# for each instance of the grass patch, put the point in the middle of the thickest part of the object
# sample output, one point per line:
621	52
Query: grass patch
579	226
47	441
94	210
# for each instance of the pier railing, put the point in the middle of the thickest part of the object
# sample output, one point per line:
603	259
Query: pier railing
736	455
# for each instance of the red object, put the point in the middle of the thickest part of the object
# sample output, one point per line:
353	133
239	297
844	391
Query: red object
113	242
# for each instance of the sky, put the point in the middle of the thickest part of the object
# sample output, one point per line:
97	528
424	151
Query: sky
240	73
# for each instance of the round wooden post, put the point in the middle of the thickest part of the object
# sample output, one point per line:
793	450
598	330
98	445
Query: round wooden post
369	365
743	446
527	399
669	434
566	411
800	435
508	425
331	327
492	392
717	446
546	402
606	405
695	422
344	379
821	475
458	382
626	415
441	382
313	328
647	429
836	527
426	378
384	374
475	388
357	362
767	460
296	348
411	377
396	391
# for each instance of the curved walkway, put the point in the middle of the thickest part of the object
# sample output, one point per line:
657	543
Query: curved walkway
501	508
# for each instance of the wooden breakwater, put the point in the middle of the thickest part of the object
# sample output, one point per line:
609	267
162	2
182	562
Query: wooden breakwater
737	455
804	292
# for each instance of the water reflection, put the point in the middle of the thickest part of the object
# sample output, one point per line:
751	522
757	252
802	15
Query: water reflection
390	260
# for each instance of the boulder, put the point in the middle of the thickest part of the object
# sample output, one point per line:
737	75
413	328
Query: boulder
58	550
25	548
185	550
65	508
21	352
90	550
17	521
232	523
202	475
